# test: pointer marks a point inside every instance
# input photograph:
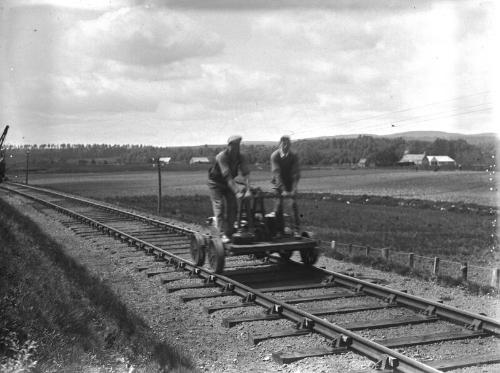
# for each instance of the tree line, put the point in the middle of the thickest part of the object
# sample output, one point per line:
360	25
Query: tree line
377	151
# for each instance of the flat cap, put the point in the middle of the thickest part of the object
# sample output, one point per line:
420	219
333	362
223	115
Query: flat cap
234	138
285	138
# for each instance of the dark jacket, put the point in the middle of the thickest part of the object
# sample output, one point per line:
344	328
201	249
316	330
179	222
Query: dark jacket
226	167
286	171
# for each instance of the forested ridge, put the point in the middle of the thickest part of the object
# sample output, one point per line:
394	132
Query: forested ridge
378	151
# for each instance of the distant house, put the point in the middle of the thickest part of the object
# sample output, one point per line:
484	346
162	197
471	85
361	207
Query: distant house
439	161
412	159
165	160
199	160
362	163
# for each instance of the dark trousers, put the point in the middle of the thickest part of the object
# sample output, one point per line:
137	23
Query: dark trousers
224	208
279	203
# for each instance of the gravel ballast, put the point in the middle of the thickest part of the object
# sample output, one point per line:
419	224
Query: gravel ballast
215	348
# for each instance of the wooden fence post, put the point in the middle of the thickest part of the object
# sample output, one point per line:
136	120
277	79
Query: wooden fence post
411	260
350	249
495	277
463	269
435	269
385	253
367	250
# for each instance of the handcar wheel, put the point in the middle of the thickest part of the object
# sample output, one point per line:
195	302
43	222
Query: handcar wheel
309	256
197	249
216	255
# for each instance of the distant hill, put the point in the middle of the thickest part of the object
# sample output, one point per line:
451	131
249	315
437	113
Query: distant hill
475	139
265	143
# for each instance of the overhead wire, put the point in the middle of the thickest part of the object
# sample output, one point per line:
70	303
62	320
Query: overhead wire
415	119
429	117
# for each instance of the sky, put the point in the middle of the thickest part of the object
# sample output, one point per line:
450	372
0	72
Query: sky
194	72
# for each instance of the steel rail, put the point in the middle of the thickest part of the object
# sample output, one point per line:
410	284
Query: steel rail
475	321
340	336
450	313
170	226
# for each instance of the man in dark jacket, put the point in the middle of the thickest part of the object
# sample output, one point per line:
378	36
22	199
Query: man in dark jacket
286	176
223	188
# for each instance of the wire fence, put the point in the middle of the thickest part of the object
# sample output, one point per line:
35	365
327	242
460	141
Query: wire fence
434	266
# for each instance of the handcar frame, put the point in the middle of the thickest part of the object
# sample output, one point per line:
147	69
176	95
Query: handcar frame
257	233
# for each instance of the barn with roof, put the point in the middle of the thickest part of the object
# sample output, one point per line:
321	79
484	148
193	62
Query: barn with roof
427	161
439	161
165	160
412	159
199	160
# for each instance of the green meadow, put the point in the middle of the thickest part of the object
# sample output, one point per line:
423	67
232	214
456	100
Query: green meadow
451	214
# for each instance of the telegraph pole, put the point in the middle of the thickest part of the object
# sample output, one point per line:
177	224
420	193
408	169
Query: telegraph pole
158	165
27	164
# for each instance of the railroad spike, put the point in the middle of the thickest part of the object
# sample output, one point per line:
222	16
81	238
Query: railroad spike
476	325
391	299
342	341
305	324
329	279
276	309
386	363
358	288
249	298
430	310
210	279
195	272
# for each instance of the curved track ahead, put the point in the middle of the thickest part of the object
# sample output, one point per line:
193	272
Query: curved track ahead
266	282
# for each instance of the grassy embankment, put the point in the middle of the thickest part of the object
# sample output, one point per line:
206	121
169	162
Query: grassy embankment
55	316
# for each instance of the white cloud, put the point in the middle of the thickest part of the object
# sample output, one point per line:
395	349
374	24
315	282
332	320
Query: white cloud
337	101
95	5
317	29
84	94
141	36
310	71
170	110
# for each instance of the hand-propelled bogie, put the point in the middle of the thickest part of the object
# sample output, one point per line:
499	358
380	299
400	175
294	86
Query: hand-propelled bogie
256	233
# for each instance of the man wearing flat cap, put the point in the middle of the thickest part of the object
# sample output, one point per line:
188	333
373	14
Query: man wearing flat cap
223	188
286	175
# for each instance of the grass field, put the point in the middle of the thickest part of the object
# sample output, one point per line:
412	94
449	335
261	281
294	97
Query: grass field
455	186
429	213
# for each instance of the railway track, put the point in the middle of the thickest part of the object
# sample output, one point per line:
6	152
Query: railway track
312	300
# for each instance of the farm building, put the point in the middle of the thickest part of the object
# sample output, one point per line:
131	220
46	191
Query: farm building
411	159
198	160
165	160
427	161
439	161
362	163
